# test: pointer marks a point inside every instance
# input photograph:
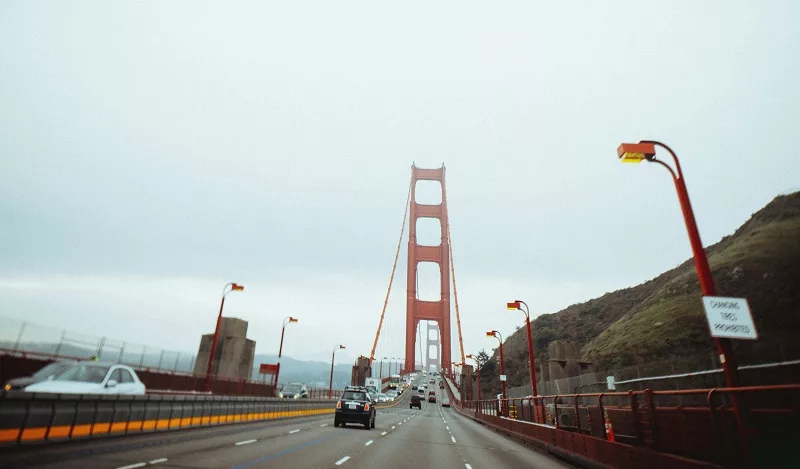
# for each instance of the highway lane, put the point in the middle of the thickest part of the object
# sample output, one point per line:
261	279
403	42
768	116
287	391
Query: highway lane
432	437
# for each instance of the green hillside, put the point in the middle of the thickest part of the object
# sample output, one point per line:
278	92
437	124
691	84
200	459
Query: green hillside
662	320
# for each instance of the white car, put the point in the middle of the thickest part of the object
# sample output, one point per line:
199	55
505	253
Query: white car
92	378
392	394
383	398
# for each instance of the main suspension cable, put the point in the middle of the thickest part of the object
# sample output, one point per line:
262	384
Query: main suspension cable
391	277
455	290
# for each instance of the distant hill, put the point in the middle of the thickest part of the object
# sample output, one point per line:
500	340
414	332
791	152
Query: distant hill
313	373
662	320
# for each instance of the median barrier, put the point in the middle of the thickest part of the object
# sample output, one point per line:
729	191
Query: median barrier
41	417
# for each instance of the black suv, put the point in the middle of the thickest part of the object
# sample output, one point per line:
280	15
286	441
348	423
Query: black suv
355	406
416	401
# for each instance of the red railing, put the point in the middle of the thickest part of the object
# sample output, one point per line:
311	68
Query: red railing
699	425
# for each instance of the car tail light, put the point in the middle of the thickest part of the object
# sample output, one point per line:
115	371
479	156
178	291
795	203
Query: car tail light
366	406
338	404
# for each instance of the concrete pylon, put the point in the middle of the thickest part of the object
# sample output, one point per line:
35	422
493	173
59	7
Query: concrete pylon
418	310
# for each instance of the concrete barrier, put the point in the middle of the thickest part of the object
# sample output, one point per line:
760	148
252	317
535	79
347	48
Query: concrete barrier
40	417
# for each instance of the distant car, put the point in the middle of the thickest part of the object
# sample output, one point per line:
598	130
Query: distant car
294	391
432	381
416	401
92	378
383	398
445	402
441	384
432	398
392	394
51	370
355	406
414	387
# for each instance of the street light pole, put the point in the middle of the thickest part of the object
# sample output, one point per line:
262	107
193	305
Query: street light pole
645	150
518	306
477	373
499	338
210	368
333	355
286	321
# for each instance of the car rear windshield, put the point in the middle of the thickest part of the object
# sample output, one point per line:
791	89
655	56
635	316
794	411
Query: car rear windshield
354	396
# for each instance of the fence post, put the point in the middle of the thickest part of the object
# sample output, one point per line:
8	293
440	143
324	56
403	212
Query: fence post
160	359
121	353
19	336
141	360
100	347
651	409
60	342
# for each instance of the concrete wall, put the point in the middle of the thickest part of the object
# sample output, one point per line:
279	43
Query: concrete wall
235	352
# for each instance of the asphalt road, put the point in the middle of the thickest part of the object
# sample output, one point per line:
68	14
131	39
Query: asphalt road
433	437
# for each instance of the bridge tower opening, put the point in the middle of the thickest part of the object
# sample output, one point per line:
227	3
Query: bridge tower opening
419	310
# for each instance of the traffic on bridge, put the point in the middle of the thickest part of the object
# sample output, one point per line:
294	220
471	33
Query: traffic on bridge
201	265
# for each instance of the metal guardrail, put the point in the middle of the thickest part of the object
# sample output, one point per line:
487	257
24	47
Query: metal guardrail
40	417
676	429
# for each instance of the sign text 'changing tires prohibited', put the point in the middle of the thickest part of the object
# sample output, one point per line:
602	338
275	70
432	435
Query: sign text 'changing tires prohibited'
729	317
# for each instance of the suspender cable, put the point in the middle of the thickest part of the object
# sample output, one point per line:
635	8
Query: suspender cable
391	277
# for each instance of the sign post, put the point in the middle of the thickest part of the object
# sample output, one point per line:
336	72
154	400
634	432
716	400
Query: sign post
729	318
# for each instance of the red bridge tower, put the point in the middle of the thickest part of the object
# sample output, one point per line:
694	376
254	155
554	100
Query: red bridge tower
418	310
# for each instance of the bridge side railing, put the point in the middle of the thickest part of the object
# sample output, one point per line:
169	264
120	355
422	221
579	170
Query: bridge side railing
694	425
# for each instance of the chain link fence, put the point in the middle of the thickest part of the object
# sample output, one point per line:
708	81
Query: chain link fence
25	336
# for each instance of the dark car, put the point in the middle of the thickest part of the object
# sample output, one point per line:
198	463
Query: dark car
416	401
355	406
441	384
49	371
445	402
414	387
432	396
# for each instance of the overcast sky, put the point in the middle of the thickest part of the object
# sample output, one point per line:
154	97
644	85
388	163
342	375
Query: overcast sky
154	151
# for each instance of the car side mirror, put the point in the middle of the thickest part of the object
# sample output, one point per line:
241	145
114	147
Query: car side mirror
111	383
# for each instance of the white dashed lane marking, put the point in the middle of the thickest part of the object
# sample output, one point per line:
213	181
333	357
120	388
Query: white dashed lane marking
384	433
156	461
294	431
245	442
468	466
342	461
454	440
368	443
324	425
133	466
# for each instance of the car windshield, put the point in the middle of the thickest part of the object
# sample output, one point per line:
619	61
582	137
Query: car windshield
293	388
354	395
84	373
50	370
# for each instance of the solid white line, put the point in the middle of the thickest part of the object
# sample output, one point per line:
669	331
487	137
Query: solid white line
454	440
468	466
324	425
245	442
133	466
368	443
383	433
294	431
156	461
342	461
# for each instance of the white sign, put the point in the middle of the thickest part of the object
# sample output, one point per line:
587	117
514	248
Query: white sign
502	377
729	317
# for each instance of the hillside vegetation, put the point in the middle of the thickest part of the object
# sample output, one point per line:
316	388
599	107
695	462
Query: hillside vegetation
662	320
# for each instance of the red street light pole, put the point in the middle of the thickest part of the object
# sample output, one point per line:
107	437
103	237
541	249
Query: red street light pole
286	321
518	306
646	150
225	291
499	338
333	355
478	368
